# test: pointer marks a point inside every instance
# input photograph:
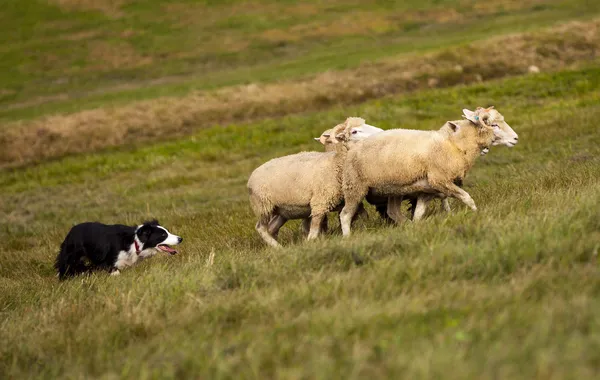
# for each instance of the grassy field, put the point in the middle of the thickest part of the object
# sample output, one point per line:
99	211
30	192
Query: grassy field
70	55
511	291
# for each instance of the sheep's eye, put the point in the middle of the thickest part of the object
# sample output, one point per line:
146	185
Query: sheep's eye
495	126
354	132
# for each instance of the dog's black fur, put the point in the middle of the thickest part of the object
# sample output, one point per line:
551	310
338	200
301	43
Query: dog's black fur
96	246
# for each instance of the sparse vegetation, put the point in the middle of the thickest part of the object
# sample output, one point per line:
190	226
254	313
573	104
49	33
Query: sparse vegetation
508	292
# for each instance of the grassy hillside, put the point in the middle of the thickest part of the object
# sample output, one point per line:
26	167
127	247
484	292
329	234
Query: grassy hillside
68	55
511	291
571	45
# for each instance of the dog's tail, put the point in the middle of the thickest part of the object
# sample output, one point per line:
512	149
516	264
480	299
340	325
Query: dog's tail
69	261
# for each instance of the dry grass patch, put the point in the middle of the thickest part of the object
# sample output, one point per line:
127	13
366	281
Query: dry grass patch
556	48
108	7
355	23
111	56
81	36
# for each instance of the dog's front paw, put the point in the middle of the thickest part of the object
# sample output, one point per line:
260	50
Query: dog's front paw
115	272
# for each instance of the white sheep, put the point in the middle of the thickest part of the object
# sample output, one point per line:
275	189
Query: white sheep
357	133
503	135
388	209
399	161
302	185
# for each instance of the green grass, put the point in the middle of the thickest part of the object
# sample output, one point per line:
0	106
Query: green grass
508	292
511	291
65	59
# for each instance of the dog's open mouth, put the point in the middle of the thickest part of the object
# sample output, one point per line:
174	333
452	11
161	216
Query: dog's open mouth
166	248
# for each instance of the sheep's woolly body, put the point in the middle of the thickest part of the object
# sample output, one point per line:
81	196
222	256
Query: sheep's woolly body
297	184
302	185
391	160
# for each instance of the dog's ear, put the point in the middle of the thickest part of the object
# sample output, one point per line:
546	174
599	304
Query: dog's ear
143	233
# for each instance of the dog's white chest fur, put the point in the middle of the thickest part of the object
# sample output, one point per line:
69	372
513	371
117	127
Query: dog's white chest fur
126	258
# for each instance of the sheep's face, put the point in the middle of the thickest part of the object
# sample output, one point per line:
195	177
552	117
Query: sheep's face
363	131
356	133
503	133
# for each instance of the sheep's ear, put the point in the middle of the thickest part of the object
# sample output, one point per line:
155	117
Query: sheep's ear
455	127
317	139
490	108
471	116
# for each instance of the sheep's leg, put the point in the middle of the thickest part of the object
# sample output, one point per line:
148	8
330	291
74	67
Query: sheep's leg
394	209
421	207
306	226
452	190
262	227
346	217
315	226
275	225
348	212
446	204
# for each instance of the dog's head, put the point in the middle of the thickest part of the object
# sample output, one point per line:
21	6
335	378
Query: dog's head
152	237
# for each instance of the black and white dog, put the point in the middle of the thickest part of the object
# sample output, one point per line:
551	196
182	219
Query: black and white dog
90	246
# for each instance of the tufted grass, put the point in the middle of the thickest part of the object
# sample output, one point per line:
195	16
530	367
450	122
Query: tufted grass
511	291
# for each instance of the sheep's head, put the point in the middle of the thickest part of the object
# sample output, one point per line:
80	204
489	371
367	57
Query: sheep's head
503	133
356	129
362	131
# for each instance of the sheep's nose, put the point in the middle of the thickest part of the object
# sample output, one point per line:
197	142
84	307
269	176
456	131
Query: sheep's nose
517	138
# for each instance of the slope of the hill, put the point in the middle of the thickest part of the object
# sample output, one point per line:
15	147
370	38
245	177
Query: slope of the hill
511	291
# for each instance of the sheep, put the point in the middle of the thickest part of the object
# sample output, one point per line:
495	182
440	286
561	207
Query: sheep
302	185
381	203
503	135
357	132
398	162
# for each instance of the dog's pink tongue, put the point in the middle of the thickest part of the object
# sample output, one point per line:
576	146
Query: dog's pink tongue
166	248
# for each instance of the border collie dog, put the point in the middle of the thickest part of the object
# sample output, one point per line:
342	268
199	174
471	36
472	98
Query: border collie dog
90	246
